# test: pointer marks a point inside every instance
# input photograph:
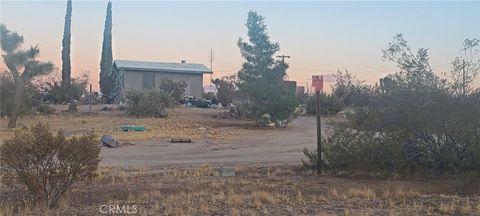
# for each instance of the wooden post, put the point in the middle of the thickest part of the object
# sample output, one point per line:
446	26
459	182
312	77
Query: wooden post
319	133
90	99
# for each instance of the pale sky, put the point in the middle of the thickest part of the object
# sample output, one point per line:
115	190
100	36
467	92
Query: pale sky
320	36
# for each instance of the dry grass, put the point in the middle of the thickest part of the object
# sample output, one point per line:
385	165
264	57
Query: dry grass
446	208
466	209
190	192
262	197
332	192
362	193
234	200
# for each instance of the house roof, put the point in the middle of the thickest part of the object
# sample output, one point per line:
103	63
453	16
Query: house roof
161	67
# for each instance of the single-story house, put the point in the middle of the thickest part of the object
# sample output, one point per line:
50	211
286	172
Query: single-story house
145	76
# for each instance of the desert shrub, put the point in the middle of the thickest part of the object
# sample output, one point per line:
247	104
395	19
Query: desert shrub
47	164
154	103
311	161
57	93
31	96
226	89
411	123
148	104
45	109
175	89
329	104
407	131
350	91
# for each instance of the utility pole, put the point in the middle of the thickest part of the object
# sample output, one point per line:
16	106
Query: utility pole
283	57
211	66
211	59
463	77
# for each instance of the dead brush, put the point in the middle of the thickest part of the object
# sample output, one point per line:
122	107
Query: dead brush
466	209
234	200
283	171
204	170
234	212
445	208
262	197
332	192
403	193
6	210
300	198
362	193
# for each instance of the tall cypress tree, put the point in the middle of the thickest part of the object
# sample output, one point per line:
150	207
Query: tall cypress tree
66	67
106	77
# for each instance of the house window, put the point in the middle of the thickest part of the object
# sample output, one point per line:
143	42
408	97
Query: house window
149	81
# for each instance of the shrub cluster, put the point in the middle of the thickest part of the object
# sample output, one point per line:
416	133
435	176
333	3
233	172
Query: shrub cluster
329	104
31	96
411	122
148	104
409	132
57	93
154	103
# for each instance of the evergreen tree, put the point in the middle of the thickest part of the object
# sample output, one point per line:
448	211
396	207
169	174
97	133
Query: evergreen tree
261	77
107	79
66	67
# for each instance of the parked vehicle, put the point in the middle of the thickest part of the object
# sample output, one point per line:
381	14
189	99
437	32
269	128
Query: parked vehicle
204	103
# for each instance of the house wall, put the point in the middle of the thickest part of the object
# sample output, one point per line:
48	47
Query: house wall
134	80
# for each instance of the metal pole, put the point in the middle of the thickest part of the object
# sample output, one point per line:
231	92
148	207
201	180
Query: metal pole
319	133
90	99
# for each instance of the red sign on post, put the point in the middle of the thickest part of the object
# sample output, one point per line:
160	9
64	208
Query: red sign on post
317	82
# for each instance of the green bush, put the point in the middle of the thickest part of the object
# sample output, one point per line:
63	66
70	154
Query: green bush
56	93
45	109
409	132
154	103
226	89
329	104
175	89
31	96
148	104
412	123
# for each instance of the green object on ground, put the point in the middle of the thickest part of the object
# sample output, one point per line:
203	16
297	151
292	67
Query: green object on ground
132	128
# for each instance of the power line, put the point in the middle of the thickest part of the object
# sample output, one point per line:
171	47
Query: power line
360	71
335	71
211	65
283	57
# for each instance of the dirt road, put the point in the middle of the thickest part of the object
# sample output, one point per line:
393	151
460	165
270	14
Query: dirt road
268	146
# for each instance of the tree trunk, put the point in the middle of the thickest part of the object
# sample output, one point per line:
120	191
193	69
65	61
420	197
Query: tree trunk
17	103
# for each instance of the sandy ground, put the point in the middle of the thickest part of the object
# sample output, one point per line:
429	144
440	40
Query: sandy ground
215	140
268	146
163	178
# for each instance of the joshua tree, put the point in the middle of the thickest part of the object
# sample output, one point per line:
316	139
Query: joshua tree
22	64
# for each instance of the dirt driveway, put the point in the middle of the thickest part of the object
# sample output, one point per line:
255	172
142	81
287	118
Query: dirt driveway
259	146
